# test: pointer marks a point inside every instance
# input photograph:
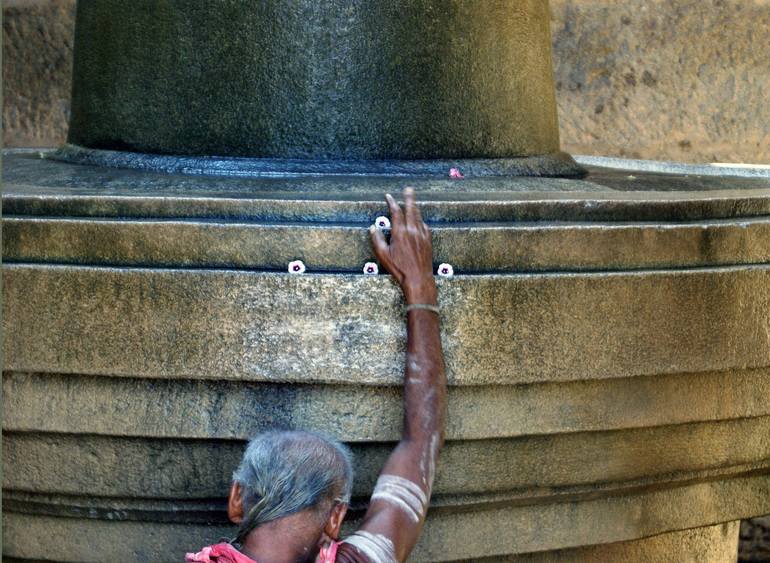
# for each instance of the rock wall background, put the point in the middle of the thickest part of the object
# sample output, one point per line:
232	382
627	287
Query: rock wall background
685	80
37	71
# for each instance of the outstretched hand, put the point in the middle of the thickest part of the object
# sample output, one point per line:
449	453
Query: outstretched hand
409	256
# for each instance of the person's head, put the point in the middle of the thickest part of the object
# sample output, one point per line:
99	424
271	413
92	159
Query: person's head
285	473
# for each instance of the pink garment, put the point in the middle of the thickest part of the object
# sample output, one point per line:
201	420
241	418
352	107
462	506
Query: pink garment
226	553
219	553
328	554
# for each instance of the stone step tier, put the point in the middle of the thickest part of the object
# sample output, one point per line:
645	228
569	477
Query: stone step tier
607	345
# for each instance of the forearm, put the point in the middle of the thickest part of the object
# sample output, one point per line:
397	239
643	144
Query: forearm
424	380
397	509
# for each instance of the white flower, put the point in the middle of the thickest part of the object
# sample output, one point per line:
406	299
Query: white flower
445	270
297	267
371	269
382	222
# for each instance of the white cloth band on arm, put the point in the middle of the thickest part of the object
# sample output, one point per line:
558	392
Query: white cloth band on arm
378	548
402	493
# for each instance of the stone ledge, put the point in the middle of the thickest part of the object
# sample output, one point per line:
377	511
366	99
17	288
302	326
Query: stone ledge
496	532
212	510
535	465
711	544
517	247
219	409
505	329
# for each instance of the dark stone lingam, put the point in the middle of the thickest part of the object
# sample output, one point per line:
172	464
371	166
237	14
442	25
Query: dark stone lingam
607	338
305	86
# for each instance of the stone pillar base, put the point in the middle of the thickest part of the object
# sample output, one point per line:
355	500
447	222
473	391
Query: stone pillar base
604	338
711	544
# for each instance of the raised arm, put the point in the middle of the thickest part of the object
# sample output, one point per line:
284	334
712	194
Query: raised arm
400	499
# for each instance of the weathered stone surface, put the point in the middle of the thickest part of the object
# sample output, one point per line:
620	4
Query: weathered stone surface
567	463
497	329
35	185
712	544
404	79
557	164
685	80
38	39
508	248
496	530
215	409
627	398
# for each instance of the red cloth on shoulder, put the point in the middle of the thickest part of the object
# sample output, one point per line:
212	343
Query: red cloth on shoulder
219	553
226	553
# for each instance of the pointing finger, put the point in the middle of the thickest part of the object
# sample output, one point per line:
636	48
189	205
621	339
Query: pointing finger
396	215
413	213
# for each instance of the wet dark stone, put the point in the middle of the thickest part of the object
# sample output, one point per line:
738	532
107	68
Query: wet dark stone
406	79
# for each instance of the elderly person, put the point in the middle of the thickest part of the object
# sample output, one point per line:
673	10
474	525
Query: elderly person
291	491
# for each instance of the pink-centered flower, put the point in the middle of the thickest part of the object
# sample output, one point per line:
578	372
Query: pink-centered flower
297	267
456	174
445	270
371	269
382	222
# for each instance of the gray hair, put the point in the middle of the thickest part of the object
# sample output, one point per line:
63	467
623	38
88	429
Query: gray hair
283	473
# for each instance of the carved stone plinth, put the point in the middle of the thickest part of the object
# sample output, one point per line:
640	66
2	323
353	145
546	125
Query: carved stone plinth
607	345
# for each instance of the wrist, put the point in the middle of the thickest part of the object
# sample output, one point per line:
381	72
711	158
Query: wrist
424	292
